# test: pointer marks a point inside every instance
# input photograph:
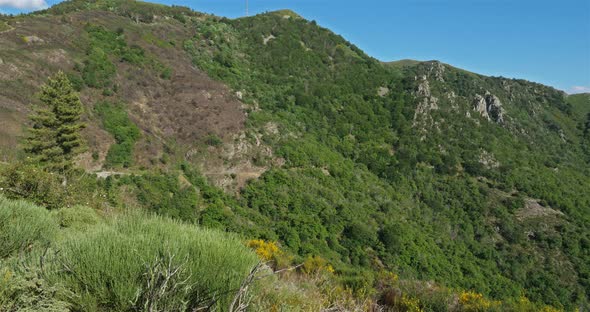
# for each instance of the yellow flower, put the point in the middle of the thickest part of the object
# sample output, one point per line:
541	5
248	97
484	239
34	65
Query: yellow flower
316	264
265	250
472	301
411	304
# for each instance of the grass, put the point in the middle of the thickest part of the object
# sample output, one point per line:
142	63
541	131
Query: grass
4	26
77	217
109	266
23	226
132	262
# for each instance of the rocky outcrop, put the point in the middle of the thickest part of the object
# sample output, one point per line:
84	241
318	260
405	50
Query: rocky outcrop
270	37
489	107
488	160
427	102
437	70
383	91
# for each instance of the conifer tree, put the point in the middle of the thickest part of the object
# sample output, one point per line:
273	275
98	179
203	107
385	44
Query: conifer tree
55	137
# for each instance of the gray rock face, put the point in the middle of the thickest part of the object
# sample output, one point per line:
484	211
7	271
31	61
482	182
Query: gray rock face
489	107
480	106
383	91
428	101
437	70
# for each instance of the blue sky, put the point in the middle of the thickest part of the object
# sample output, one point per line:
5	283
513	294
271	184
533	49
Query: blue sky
543	41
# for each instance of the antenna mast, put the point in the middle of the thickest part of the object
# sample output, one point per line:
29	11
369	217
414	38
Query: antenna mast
246	7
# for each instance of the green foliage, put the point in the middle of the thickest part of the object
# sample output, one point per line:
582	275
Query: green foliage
213	140
363	165
166	73
163	194
20	181
98	71
55	137
23	226
27	291
4	26
30	182
76	217
109	266
116	121
129	263
143	12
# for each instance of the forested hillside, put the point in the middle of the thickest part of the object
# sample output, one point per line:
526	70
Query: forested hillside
409	186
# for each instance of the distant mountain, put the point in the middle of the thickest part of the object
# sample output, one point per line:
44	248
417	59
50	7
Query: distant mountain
419	168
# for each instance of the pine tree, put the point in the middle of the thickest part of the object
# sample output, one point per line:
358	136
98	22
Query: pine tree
55	137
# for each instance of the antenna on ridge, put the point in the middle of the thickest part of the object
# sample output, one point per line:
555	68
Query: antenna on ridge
246	7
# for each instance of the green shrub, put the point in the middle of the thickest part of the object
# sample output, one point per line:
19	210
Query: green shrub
116	121
163	194
27	292
26	181
166	73
98	70
20	181
213	140
77	217
22	226
4	26
134	55
109	266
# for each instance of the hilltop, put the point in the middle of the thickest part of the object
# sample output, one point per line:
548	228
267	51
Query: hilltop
412	180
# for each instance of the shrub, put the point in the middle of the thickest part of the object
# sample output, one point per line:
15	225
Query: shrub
410	304
316	264
98	70
27	292
20	181
213	140
77	217
25	181
472	301
23	225
166	73
116	121
164	195
265	250
109	266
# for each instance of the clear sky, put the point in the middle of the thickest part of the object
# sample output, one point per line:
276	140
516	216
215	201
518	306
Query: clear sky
539	40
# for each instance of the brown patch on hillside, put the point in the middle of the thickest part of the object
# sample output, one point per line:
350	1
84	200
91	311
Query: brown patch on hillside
10	131
178	113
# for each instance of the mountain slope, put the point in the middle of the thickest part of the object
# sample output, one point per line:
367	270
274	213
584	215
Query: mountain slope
418	168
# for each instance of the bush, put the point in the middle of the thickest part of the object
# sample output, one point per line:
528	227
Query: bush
20	181
164	195
120	266
213	140
77	217
26	181
98	70
116	121
472	301
316	264
27	292
22	226
265	250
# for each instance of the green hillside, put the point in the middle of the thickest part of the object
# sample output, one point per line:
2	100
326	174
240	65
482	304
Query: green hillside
410	186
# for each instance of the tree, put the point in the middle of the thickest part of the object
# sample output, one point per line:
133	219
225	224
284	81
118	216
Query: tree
55	139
